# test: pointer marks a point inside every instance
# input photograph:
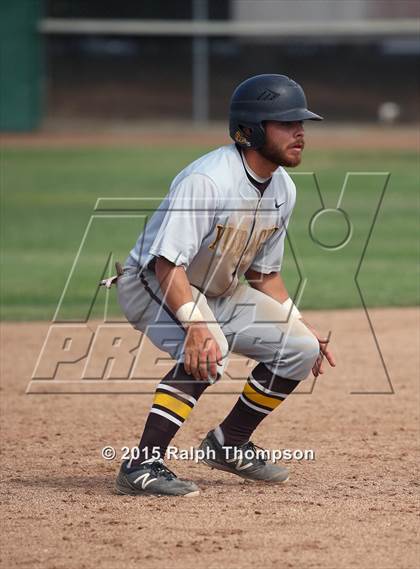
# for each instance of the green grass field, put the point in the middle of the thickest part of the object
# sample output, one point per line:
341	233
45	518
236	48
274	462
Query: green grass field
48	198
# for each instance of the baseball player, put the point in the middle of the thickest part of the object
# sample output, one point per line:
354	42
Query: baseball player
204	279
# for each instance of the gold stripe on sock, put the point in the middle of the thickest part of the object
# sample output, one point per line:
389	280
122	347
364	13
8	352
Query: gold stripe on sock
256	397
173	404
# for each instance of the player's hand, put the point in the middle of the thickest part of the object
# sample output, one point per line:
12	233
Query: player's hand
202	352
324	351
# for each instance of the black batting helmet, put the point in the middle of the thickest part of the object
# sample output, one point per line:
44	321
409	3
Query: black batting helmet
265	98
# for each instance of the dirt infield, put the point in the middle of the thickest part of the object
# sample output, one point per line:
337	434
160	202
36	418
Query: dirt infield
353	506
155	135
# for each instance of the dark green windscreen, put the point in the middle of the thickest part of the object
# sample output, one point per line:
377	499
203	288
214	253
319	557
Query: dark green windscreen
20	65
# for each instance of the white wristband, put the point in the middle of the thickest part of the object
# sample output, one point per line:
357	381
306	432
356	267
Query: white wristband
291	308
188	313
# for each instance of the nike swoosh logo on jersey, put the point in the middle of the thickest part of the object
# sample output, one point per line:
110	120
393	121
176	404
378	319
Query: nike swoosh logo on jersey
278	204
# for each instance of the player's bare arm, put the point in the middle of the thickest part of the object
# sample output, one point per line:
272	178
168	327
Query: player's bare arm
201	349
174	283
273	285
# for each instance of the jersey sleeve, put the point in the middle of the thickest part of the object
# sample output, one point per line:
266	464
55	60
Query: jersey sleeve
270	257
190	213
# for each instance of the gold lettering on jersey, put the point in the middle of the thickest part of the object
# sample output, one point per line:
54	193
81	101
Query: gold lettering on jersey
263	236
256	243
233	240
220	230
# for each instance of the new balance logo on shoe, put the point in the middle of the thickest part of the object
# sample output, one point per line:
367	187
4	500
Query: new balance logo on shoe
145	482
239	465
232	459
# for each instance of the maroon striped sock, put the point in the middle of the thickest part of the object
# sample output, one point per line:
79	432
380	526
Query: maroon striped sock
177	389
262	393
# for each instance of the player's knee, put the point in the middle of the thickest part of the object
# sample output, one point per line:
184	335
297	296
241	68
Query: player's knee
309	352
296	359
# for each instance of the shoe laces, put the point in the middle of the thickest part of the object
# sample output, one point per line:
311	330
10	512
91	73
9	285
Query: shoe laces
158	468
254	448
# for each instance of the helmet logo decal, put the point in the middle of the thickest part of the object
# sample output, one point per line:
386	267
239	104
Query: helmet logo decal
240	138
268	95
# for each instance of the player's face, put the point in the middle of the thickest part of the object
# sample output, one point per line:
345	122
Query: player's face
284	143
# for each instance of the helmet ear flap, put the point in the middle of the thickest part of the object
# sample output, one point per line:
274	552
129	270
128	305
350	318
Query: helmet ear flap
258	136
240	136
254	138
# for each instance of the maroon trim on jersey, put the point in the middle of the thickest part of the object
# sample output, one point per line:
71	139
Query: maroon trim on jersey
159	301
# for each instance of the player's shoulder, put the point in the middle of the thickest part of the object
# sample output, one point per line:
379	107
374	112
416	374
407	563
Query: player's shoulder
217	166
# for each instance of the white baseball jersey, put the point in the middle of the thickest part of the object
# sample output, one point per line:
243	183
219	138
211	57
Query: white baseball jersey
216	223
